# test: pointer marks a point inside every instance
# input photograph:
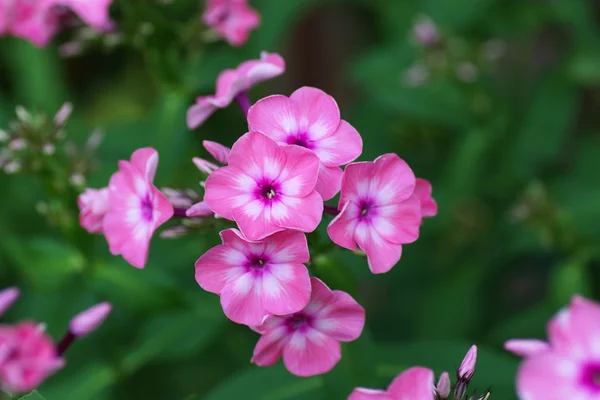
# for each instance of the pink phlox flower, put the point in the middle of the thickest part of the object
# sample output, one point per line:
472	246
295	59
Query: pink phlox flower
423	191
137	207
8	297
310	118
257	279
378	211
33	20
93	206
233	20
309	340
89	320
232	82
27	356
266	188
569	366
415	383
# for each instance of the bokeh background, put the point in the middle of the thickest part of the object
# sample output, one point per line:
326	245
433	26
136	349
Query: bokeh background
500	115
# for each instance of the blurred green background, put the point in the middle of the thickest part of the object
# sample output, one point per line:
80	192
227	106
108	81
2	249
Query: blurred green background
501	115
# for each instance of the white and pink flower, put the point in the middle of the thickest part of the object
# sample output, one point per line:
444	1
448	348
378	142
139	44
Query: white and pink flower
266	188
233	20
310	118
378	211
137	207
93	206
233	82
309	340
257	279
415	383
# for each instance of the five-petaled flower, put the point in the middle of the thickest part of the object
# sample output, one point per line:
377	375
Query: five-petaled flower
309	340
233	20
378	210
137	207
266	188
310	118
257	279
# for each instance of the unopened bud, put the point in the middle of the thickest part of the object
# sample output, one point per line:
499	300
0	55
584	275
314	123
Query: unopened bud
94	140
17	144
443	386
23	114
7	298
486	395
174	232
48	149
425	32
415	76
205	166
89	320
63	114
467	367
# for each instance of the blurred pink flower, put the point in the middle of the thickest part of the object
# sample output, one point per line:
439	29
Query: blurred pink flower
137	207
415	383
378	211
94	13
310	118
232	82
93	206
309	340
7	298
27	356
425	32
266	188
231	19
257	279
429	207
89	320
569	367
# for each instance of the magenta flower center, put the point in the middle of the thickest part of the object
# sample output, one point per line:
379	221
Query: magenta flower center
257	262
365	207
590	376
300	139
267	191
298	321
146	206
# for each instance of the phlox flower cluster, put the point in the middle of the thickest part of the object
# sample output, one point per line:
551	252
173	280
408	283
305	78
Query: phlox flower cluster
28	355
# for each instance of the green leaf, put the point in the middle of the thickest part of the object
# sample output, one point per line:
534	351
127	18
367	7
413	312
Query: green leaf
457	13
271	383
569	279
88	382
35	395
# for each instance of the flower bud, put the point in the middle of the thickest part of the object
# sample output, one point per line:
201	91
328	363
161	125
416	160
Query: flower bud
89	320
467	367
7	298
443	386
63	114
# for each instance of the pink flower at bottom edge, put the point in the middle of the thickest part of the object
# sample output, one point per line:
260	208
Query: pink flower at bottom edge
137	207
93	206
309	340
27	356
233	20
415	383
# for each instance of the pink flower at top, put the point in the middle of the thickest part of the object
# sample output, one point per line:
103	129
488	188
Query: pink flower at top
93	206
257	279
423	192
137	207
569	367
27	356
231	19
310	118
232	82
378	211
266	188
413	384
309	340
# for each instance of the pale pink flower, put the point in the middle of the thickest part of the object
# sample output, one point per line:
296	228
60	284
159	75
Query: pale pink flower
231	19
93	206
569	368
266	188
233	82
7	298
257	279
310	118
415	383
27	356
429	207
309	340
89	320
378	211
137	207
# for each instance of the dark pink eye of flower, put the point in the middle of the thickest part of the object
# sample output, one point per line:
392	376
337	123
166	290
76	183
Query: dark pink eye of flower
365	207
298	321
302	140
257	262
268	191
590	376
146	206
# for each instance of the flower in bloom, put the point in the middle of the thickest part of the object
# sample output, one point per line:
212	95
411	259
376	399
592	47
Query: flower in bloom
27	356
413	384
309	340
310	118
233	82
7	298
137	207
378	211
568	367
266	188
423	192
257	279
93	206
89	320
231	19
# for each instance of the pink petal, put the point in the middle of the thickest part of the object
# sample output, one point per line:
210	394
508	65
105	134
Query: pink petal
344	320
228	85
204	165
423	190
288	247
92	12
344	146
217	150
415	383
549	377
227	189
311	352
298	176
585	325
370	394
274	116
258	156
241	300
398	223
356	182
146	161
199	112
162	208
218	266
341	229
269	66
303	214
285	288
559	330
317	114
255	220
269	348
131	241
200	209
8	297
320	298
329	181
393	181
381	254
526	347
